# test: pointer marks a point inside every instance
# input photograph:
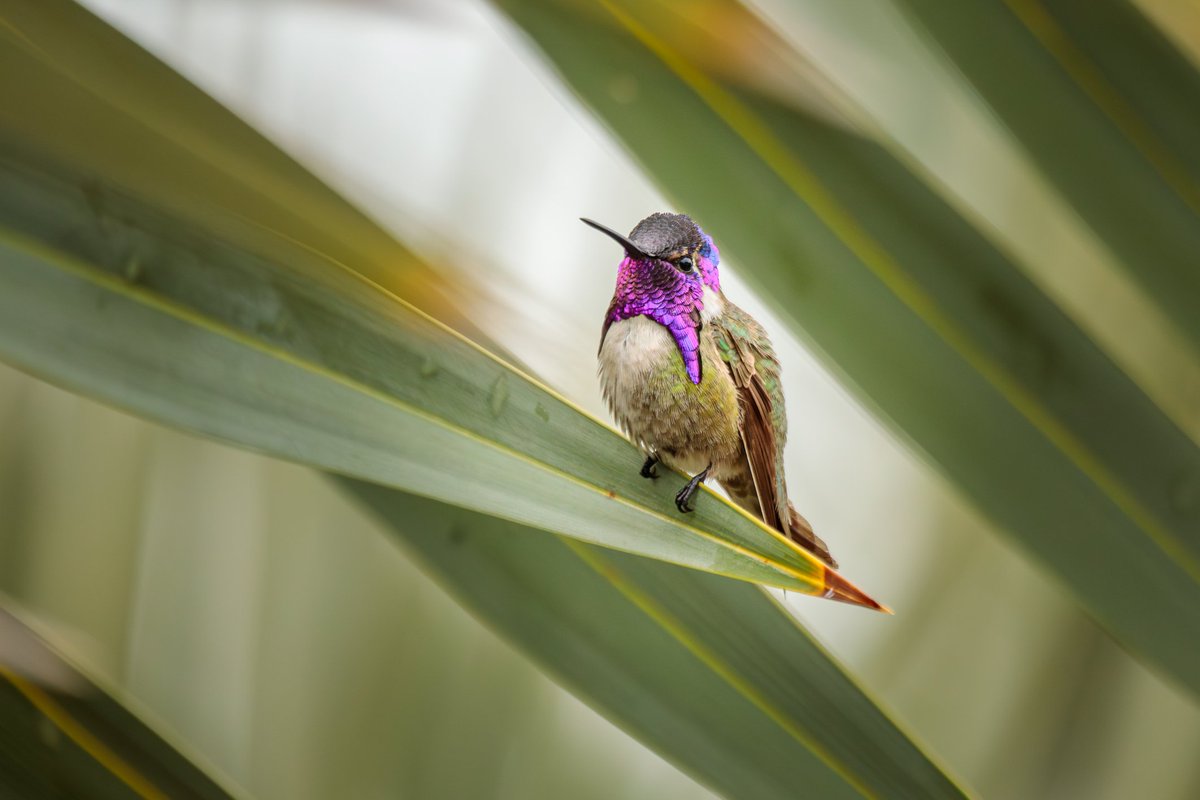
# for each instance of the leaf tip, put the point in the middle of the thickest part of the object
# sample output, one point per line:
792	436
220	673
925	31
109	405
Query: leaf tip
842	590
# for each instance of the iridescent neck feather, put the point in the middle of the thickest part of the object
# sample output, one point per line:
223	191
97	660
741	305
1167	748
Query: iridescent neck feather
664	286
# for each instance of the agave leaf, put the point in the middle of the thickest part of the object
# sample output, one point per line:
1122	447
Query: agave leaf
152	296
931	325
160	301
707	671
90	96
309	363
74	739
1108	109
215	311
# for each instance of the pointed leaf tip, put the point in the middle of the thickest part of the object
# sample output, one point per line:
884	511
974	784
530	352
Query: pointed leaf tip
842	590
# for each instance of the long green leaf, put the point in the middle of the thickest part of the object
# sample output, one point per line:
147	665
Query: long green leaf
186	312
202	313
73	739
90	96
309	364
705	670
926	320
1108	109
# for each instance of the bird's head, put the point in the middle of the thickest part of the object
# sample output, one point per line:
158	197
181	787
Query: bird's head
669	273
667	250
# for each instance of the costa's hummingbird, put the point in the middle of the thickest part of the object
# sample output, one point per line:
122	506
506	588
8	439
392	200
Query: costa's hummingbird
692	378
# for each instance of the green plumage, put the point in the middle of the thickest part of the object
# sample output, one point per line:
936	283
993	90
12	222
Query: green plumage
734	419
745	349
692	378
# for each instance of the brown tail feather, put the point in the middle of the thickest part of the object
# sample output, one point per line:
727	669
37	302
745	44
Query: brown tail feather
741	491
803	534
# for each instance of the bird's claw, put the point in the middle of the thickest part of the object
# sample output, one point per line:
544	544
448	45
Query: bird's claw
685	494
648	470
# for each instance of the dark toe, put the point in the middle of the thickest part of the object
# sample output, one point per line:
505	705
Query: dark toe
648	468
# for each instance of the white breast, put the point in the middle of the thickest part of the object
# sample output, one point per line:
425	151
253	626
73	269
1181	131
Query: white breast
632	348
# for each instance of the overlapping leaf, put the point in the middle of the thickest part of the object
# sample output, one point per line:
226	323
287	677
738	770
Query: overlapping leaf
74	739
705	670
318	367
222	323
219	311
931	325
1108	110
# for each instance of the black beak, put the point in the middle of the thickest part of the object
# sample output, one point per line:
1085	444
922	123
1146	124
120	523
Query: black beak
630	248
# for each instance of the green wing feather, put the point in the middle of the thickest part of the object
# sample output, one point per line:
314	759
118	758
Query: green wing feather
750	358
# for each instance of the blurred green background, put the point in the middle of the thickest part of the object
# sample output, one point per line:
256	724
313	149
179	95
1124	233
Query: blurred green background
258	614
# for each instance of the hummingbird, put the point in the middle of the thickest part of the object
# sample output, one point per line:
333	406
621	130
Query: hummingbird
693	379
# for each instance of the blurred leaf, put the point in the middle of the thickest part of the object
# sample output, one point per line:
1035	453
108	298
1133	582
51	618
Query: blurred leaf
90	97
79	742
311	364
1108	109
938	331
709	672
191	319
203	313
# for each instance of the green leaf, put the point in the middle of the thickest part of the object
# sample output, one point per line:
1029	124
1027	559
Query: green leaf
709	672
73	739
1108	109
214	308
932	326
89	96
310	364
161	272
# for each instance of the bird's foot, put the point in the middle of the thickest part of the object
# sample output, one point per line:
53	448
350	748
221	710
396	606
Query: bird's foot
648	467
689	489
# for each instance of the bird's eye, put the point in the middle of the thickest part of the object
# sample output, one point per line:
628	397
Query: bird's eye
685	263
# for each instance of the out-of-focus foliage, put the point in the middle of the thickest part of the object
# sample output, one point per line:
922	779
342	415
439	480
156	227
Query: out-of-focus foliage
704	669
247	605
61	735
1110	111
197	311
218	587
350	379
156	316
929	320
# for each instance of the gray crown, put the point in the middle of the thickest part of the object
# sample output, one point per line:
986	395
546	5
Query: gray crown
661	234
